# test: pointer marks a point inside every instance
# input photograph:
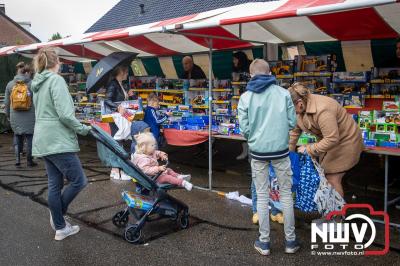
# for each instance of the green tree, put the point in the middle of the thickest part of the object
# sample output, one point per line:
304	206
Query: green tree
55	36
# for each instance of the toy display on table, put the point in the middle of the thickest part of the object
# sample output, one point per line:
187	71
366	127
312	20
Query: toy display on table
87	107
238	88
88	113
314	72
317	85
188	123
385	81
169	84
391	106
322	65
143	82
170	98
380	128
283	71
142	86
354	100
349	82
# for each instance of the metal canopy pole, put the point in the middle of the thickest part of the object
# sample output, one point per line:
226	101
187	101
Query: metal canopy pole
210	85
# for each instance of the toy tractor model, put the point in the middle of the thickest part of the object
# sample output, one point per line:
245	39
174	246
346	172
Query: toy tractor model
319	65
347	89
198	100
280	69
177	100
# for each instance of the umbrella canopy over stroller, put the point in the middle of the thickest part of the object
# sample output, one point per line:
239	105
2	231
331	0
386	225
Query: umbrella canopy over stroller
101	71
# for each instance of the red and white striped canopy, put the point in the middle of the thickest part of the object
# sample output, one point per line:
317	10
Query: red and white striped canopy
238	27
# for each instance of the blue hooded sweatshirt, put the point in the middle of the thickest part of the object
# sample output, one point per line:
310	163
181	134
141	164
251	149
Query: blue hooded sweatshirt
266	115
154	120
260	83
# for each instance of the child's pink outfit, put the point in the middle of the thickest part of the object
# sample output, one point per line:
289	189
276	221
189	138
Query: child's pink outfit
149	165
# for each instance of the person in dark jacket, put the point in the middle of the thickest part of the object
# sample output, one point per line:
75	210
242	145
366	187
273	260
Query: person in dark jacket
152	116
22	122
241	63
115	93
192	71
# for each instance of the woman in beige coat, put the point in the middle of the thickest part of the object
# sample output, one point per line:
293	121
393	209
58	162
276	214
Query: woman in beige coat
339	141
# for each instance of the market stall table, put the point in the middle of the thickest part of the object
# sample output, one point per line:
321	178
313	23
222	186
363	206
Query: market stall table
386	152
184	137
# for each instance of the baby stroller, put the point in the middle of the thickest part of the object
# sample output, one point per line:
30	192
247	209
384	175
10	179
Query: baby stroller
157	205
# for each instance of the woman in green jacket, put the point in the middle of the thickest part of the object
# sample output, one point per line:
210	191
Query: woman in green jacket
55	139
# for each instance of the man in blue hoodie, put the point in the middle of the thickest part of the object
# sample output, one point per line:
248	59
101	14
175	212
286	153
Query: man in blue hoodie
266	115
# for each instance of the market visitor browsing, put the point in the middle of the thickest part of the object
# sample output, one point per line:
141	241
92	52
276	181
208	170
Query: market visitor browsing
262	105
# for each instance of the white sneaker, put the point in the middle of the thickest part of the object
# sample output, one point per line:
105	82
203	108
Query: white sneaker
124	176
188	186
115	174
67	231
185	177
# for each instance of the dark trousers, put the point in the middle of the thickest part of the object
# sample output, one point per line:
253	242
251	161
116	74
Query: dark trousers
59	166
19	144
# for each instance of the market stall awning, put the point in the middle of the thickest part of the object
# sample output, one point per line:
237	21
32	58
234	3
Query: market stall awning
238	27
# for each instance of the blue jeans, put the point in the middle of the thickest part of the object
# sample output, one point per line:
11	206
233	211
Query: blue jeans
59	166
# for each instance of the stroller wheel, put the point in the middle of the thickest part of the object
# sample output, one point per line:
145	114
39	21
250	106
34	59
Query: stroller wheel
120	219
183	219
132	235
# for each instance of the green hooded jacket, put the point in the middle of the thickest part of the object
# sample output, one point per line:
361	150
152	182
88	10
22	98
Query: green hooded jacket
56	125
266	115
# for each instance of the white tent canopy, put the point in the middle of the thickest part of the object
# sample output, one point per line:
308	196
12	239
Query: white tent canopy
237	27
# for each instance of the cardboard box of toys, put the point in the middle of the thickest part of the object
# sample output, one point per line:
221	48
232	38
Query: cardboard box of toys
282	69
354	100
365	119
315	64
391	106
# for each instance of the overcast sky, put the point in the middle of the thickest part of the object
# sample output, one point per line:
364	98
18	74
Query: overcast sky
67	17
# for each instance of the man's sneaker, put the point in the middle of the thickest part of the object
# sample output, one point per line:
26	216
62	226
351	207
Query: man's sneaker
262	247
185	177
292	247
67	231
255	218
188	186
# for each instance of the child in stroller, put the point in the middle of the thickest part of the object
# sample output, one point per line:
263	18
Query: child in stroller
146	158
158	204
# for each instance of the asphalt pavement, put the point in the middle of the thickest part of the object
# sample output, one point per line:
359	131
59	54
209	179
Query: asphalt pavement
220	231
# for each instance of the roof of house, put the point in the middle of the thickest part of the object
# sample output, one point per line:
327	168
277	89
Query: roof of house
127	13
10	35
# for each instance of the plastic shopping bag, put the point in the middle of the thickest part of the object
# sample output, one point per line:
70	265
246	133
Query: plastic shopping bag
308	185
326	198
124	127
